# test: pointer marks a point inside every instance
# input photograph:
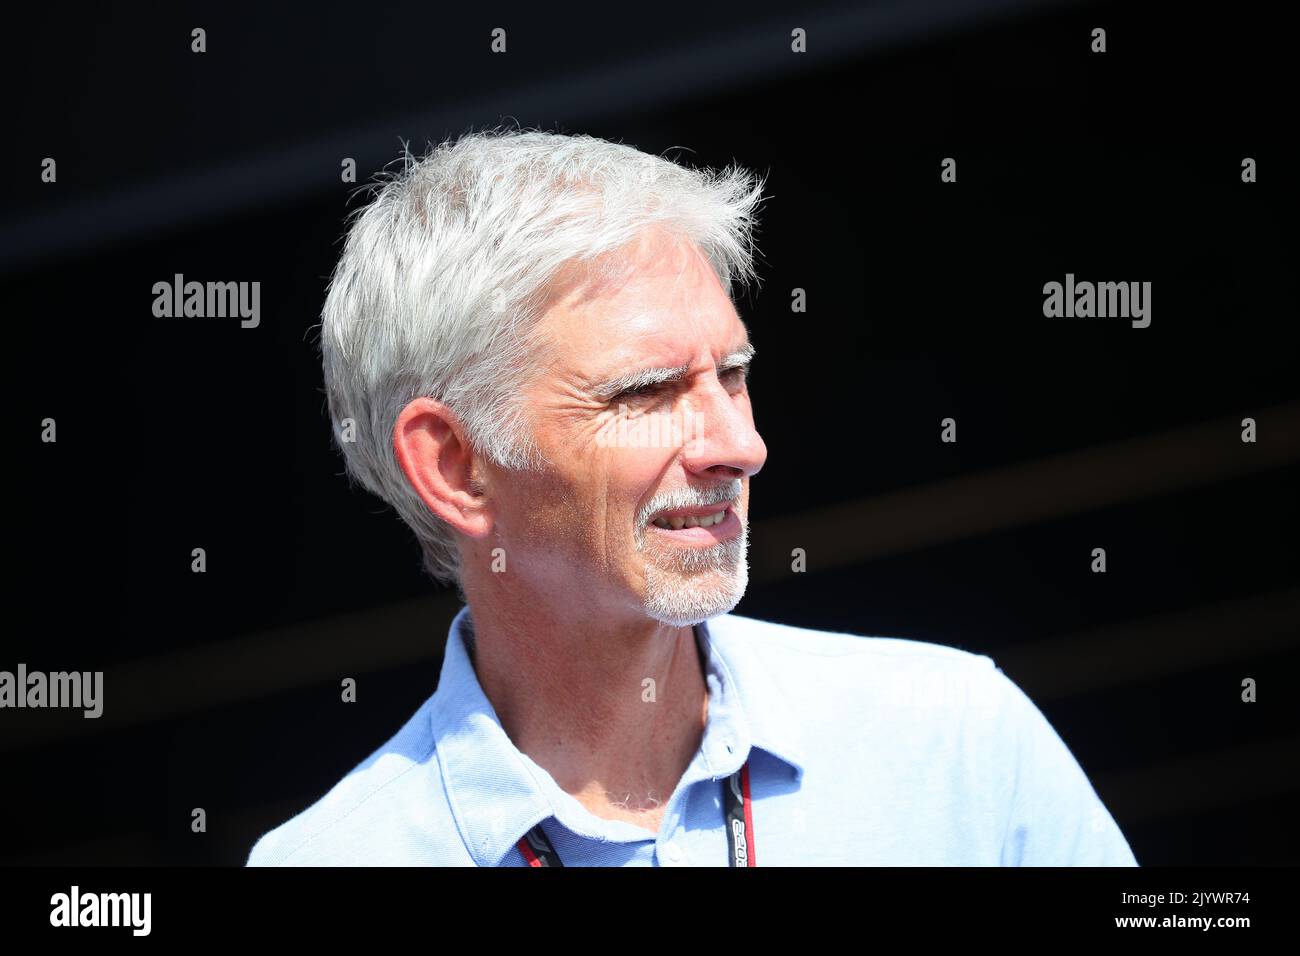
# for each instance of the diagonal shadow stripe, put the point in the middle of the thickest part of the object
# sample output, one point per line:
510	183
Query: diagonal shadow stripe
1137	651
944	511
1233	776
227	672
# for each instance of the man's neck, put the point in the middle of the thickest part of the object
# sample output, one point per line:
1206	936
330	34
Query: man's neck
615	713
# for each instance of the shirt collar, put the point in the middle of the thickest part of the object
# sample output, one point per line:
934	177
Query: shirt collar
758	704
497	794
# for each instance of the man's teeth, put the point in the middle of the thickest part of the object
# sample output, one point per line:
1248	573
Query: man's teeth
677	523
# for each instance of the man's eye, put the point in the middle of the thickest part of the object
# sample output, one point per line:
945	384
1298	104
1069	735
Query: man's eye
739	374
638	391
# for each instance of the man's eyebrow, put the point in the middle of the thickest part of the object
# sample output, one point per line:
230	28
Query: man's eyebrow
644	378
737	359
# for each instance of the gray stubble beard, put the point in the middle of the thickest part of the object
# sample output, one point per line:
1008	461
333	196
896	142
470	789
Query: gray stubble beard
698	583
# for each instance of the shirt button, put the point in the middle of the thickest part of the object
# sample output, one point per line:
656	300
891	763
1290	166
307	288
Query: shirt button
673	851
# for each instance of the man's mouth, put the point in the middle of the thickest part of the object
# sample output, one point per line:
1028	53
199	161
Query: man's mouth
705	524
678	521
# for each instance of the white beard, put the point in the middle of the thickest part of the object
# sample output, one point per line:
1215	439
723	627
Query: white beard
685	586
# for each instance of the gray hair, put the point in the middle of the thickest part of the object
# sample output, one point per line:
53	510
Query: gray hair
444	275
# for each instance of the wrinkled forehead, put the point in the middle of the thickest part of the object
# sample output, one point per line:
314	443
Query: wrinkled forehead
666	303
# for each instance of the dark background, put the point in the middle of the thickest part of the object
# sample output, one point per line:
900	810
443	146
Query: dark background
222	689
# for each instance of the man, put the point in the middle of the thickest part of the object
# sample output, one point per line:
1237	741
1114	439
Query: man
531	352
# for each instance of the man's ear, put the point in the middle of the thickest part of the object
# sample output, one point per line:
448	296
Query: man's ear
434	454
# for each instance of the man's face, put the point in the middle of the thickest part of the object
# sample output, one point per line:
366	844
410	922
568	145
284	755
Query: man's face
624	515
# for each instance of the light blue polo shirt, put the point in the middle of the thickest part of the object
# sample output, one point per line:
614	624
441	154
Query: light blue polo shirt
863	751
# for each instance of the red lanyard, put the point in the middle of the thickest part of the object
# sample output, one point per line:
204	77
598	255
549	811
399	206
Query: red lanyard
537	850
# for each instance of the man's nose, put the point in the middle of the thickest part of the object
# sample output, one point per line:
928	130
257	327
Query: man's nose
719	434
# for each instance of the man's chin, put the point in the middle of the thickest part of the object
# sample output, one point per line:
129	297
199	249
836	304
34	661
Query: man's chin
682	600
